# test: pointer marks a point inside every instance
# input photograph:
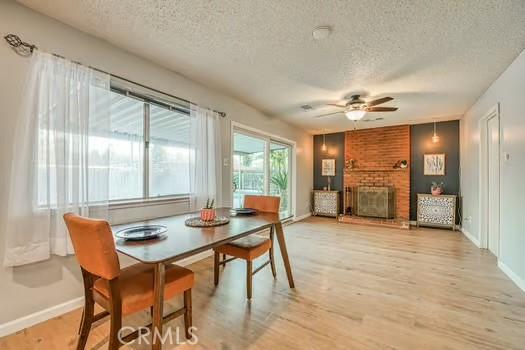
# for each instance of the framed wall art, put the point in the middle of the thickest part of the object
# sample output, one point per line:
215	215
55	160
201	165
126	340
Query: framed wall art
434	164
328	167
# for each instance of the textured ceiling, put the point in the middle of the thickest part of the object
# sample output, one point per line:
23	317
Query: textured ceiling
434	57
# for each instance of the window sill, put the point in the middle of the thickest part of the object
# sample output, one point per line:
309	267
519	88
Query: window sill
148	202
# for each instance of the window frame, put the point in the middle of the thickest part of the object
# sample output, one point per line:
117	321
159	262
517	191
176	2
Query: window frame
147	101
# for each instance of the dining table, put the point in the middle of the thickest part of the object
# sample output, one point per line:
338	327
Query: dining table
182	241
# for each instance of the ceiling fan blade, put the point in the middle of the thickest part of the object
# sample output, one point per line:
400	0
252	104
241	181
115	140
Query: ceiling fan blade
379	101
328	114
381	109
336	105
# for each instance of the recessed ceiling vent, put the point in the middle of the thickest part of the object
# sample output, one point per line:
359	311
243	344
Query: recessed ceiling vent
306	108
321	32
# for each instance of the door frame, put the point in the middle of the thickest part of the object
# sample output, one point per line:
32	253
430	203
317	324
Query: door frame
269	137
494	112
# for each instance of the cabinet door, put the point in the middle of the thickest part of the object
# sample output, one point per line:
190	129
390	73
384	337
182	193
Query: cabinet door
436	210
325	203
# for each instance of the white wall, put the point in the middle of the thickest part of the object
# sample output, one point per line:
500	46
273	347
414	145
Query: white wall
28	289
509	91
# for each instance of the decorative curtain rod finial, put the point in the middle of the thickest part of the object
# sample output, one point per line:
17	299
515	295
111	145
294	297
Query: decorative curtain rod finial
20	47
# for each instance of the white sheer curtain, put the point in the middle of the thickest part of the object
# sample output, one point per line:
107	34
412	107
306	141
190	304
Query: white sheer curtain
60	159
205	157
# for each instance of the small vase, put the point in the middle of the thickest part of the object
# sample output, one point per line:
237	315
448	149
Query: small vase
436	191
208	214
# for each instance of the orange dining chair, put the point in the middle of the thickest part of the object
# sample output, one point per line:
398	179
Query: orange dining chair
250	247
119	292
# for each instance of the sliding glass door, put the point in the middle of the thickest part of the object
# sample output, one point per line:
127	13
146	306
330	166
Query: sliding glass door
280	171
249	155
261	166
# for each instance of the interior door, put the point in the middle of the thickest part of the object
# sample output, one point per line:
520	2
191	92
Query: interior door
493	184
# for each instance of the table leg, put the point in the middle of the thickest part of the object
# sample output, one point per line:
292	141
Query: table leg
284	252
158	305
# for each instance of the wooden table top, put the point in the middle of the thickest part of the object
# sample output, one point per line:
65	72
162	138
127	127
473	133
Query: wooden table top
182	241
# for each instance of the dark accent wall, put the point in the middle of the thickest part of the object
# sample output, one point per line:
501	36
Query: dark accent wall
335	150
421	144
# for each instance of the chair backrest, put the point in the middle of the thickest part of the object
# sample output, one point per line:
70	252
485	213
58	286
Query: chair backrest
268	204
94	245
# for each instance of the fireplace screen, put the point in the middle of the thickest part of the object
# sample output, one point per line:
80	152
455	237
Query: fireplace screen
376	201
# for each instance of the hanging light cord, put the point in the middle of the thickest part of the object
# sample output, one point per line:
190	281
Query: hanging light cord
435	137
323	147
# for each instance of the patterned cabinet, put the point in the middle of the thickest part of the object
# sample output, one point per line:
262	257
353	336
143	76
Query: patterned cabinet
326	203
439	211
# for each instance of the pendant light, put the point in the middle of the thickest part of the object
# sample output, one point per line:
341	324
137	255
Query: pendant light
435	137
323	147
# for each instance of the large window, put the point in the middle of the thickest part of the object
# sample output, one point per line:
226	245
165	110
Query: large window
126	158
169	165
149	155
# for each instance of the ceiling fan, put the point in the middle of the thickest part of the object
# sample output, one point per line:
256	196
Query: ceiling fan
356	108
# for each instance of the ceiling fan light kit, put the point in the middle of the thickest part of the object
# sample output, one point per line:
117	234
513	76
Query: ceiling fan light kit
355	114
355	109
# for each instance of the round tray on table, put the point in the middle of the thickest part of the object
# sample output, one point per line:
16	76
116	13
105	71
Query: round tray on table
198	222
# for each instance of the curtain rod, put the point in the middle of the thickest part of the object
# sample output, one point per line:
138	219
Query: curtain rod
25	49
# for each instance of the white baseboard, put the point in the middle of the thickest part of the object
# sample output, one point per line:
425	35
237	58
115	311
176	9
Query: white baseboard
40	316
471	237
301	217
60	309
520	282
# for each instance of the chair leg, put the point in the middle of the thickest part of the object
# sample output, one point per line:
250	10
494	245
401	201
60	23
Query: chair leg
187	313
272	263
116	315
216	258
116	325
249	275
81	322
272	259
87	321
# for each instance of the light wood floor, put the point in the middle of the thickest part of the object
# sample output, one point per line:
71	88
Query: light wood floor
356	288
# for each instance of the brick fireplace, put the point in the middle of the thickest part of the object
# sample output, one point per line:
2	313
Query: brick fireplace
375	151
